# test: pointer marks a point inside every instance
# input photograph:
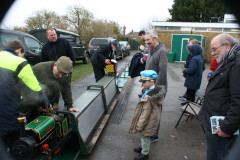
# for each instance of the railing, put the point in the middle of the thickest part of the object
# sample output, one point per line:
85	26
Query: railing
95	105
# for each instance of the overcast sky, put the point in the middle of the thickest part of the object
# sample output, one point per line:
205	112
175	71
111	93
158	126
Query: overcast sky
134	14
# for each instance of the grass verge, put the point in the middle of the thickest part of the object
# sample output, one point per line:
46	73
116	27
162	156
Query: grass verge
81	70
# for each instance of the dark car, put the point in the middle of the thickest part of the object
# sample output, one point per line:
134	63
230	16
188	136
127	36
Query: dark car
96	42
125	47
31	45
73	38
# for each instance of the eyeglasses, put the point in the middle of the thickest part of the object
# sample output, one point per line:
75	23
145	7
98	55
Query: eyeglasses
214	49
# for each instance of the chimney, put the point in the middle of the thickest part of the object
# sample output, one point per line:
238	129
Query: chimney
124	31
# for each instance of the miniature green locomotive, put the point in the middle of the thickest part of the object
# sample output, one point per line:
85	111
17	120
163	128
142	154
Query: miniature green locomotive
41	138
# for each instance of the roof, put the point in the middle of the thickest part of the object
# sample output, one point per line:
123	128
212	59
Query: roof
196	24
16	32
132	35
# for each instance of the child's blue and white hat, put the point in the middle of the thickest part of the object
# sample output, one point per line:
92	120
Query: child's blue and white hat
147	75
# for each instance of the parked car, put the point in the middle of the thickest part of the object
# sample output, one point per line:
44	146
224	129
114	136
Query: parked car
73	38
125	47
96	42
31	45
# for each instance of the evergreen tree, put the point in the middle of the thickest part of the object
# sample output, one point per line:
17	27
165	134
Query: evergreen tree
197	10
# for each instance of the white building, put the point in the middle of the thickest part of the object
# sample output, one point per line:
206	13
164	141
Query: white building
229	25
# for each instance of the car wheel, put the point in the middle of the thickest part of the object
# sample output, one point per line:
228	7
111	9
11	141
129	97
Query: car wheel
86	59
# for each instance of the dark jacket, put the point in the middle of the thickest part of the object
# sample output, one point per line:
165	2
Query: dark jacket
188	60
195	69
147	114
53	51
52	86
16	77
101	54
136	67
222	96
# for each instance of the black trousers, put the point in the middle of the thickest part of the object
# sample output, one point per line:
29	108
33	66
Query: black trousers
99	72
191	95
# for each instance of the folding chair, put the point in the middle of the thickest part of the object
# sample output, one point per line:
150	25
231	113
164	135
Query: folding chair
199	99
189	108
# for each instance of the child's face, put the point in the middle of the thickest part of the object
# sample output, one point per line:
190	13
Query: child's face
147	84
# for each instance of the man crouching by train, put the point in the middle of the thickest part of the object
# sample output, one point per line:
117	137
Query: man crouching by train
147	114
16	80
54	78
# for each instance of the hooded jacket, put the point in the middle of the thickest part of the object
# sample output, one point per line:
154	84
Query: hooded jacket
195	69
135	67
147	114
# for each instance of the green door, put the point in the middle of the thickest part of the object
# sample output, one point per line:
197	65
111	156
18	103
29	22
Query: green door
184	50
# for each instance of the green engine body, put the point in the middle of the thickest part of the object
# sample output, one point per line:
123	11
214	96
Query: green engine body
41	126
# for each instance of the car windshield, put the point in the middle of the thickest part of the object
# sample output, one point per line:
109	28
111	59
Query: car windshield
5	38
123	44
97	42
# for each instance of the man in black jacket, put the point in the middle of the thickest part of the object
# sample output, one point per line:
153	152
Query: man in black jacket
101	57
222	97
56	47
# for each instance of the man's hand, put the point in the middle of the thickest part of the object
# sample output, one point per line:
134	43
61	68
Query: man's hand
45	110
73	110
107	61
221	133
142	47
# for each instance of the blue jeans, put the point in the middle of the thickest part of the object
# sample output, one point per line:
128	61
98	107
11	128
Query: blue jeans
217	147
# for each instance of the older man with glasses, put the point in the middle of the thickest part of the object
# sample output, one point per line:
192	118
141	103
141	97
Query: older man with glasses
222	97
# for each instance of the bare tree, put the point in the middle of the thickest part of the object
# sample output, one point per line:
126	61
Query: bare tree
79	18
46	19
21	29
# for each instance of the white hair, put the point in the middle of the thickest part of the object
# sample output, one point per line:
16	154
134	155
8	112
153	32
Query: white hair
152	33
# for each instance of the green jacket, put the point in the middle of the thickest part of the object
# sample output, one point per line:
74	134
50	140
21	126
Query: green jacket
52	86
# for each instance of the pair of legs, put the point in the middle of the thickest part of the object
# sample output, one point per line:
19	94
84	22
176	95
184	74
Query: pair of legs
98	72
190	94
144	149
145	143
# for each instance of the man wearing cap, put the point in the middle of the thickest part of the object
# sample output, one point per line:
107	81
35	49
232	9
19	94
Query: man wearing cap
53	77
147	114
101	57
